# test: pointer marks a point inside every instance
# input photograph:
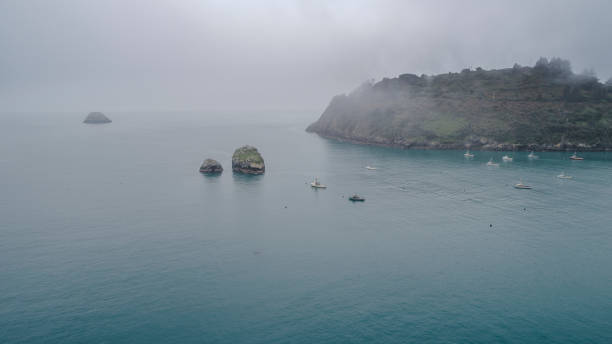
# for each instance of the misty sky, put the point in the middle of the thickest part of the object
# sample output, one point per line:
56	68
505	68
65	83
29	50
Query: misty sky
130	55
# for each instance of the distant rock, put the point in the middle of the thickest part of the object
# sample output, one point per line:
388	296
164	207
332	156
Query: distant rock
247	159
210	166
96	118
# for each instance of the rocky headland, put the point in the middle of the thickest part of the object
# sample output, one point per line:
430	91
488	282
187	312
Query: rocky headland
546	107
247	159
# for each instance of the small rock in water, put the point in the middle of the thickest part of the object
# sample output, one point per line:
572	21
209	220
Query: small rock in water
96	118
211	166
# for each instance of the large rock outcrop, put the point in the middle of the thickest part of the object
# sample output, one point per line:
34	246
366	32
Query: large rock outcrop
210	166
247	159
545	107
96	118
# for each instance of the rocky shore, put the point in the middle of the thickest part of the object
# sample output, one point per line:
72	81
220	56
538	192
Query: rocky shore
477	145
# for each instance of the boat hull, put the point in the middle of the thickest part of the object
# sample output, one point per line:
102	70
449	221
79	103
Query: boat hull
523	187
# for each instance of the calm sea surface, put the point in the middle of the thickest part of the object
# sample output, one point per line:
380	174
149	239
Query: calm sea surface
109	234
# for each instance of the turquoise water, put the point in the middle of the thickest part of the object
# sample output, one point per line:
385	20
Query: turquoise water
108	234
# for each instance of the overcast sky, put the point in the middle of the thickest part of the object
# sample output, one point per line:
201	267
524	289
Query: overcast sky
124	55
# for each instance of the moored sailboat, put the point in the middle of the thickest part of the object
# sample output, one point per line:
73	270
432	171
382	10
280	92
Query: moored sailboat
521	185
576	157
564	176
315	184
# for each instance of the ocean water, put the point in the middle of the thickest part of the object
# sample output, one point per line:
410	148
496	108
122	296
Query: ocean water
109	234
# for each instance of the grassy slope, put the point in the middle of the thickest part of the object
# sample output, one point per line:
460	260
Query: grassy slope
247	154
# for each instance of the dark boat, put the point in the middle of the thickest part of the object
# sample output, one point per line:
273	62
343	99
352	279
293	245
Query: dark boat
356	198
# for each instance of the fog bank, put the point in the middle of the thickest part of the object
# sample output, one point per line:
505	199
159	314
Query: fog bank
71	55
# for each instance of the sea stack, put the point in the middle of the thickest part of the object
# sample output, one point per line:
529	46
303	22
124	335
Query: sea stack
96	118
210	166
247	159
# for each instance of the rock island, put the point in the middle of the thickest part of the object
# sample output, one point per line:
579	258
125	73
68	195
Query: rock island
96	118
210	166
247	159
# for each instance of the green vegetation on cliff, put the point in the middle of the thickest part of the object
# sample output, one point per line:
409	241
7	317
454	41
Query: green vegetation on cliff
545	107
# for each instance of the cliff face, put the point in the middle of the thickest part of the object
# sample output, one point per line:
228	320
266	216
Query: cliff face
545	107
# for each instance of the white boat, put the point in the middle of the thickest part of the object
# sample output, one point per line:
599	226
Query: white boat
370	168
520	185
506	158
576	157
532	156
491	163
315	184
468	154
564	176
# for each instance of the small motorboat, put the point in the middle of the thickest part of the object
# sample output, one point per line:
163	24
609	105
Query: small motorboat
315	184
564	176
576	157
356	198
468	154
532	156
370	168
491	163
520	185
506	158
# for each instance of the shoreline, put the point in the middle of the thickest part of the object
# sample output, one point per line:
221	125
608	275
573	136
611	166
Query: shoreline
501	147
